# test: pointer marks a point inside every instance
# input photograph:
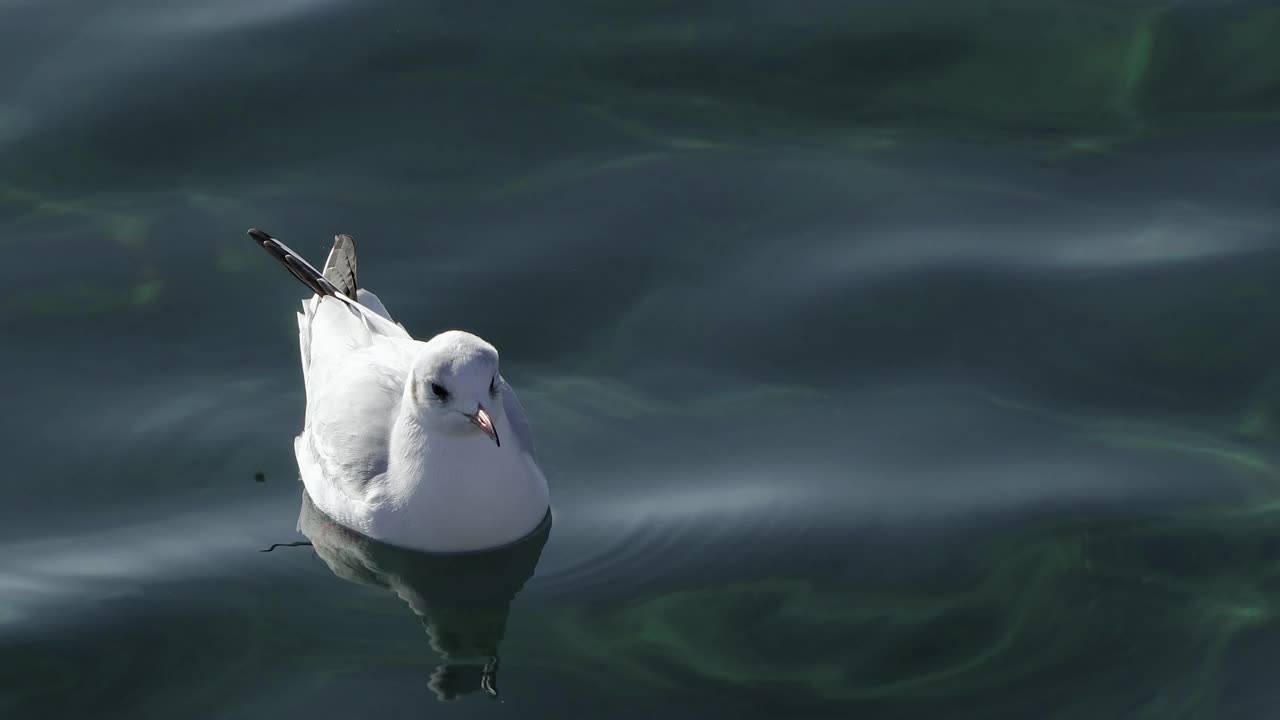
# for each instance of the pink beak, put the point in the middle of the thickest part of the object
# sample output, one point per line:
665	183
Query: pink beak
482	420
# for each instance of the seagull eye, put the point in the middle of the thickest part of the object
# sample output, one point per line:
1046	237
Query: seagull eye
439	391
493	386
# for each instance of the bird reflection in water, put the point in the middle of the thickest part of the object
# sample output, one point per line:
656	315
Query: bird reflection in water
463	599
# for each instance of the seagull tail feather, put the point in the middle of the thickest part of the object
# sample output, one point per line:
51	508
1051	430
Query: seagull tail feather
340	268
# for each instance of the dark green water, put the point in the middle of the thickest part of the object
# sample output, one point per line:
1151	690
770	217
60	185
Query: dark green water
887	360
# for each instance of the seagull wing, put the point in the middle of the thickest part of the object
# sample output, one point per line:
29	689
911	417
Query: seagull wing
518	419
355	384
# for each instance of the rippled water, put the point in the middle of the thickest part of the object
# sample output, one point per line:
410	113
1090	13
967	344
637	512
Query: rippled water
886	359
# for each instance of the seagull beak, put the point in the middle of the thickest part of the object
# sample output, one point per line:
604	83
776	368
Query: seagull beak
482	420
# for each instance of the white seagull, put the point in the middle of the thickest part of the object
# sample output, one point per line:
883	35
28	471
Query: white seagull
417	444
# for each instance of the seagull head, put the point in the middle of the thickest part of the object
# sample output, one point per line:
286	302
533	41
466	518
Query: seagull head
455	385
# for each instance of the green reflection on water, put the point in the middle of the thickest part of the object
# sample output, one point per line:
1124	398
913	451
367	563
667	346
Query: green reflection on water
125	228
1081	74
1142	614
83	299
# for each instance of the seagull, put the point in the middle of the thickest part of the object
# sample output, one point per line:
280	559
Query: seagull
422	445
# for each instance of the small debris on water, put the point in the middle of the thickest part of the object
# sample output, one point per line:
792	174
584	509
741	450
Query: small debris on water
259	476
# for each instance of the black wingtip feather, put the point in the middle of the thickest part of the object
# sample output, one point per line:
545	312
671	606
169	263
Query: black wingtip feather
294	263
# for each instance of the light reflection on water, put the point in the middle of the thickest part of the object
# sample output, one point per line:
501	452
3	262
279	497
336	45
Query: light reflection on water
629	516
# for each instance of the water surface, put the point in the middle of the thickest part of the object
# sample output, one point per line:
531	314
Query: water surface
885	359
